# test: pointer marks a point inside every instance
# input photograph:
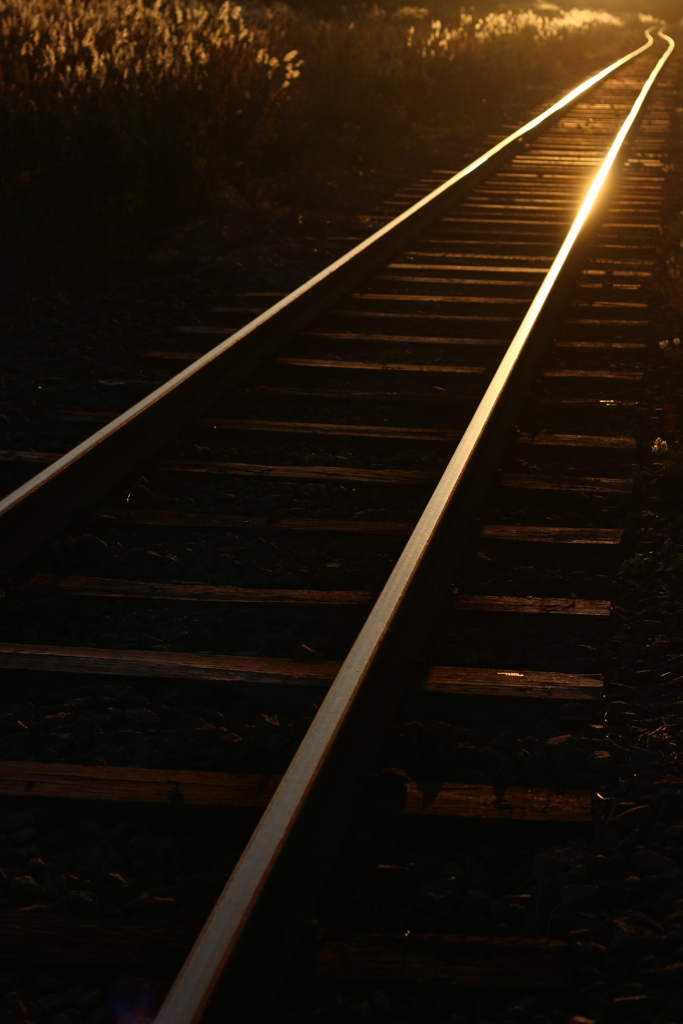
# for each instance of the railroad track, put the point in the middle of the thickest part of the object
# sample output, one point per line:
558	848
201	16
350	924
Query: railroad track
356	472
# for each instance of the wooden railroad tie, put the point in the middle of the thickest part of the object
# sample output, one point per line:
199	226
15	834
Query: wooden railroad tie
94	586
502	604
333	429
302	391
522	287
401	477
470	300
435	395
413	959
570	484
405	339
552	535
630	346
472	802
608	322
345	473
468	961
253	676
470	268
201	521
579	485
577	441
423	317
630	375
339	364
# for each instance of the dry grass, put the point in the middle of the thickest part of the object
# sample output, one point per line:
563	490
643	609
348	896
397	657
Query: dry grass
119	116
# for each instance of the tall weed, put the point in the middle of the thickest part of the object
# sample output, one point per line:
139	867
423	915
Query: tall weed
117	116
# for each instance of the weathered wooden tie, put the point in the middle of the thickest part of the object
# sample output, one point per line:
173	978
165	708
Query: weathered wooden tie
220	789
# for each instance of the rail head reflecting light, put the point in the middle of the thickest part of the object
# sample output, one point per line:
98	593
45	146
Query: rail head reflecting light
199	978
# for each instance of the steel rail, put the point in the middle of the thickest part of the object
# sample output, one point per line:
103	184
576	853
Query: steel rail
241	954
39	508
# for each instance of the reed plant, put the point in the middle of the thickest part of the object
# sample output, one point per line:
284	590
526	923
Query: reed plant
119	116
